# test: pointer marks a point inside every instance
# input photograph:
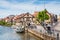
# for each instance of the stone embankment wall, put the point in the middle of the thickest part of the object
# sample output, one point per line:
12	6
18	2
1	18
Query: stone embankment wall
43	36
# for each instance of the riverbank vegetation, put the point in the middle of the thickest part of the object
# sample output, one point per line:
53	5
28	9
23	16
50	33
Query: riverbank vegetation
3	23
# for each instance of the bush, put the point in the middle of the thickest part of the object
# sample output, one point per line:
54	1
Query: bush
5	23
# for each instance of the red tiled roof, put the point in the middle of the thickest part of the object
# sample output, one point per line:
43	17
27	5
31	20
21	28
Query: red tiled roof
35	14
6	18
18	16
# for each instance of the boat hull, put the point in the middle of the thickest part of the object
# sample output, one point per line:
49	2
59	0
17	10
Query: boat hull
20	30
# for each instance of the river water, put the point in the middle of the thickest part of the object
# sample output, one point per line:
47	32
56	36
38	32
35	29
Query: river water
7	33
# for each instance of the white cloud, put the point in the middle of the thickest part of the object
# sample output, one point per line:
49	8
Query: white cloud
53	8
11	8
17	8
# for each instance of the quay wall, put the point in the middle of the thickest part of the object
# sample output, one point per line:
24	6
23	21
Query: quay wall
40	35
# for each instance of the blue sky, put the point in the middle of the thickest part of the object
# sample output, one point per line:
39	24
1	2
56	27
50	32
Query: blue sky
15	7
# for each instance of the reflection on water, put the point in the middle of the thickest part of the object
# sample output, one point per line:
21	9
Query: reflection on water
7	33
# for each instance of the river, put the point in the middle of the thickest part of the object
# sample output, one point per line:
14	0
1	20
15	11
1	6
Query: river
7	33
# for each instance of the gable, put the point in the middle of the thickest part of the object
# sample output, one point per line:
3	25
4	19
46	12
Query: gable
28	15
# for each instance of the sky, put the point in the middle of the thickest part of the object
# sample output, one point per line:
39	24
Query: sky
16	7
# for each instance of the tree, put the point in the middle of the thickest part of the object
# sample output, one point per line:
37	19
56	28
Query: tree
42	15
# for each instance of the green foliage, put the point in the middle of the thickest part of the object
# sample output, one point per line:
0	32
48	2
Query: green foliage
42	15
2	22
